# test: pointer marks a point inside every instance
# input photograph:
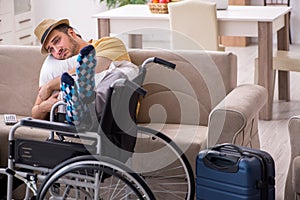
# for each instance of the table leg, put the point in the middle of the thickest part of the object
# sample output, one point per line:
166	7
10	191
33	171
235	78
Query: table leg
135	41
284	85
283	43
265	66
103	27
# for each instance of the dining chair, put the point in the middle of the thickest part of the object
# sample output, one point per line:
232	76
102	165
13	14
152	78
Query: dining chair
277	2
285	61
194	25
280	3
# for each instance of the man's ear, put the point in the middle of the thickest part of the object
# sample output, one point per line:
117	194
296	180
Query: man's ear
71	32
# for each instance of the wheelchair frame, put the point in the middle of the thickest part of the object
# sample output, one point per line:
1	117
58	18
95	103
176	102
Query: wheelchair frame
47	175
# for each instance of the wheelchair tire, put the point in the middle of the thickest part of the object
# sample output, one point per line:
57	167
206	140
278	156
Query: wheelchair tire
166	169
89	177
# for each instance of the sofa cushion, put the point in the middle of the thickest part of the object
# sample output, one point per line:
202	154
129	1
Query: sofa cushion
19	78
189	138
203	78
296	175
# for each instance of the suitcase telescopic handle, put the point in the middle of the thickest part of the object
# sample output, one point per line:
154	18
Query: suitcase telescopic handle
228	146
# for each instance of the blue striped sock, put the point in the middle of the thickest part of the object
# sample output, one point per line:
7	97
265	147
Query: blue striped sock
86	74
75	109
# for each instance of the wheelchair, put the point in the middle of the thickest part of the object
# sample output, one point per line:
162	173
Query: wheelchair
78	164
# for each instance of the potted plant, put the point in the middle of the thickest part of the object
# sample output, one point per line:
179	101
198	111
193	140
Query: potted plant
117	3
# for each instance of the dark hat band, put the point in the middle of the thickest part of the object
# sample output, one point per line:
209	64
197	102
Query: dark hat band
45	34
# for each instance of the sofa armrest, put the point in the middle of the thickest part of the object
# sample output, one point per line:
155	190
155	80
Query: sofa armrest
235	118
293	128
296	175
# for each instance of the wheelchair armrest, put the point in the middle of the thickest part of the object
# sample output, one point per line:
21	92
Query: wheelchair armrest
135	87
48	125
130	84
54	107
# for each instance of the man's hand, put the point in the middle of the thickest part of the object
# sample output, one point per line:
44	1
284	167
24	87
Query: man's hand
47	105
45	91
41	109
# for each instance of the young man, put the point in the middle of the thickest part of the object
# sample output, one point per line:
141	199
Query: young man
60	40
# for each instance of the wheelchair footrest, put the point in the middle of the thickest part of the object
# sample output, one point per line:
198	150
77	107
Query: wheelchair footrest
48	153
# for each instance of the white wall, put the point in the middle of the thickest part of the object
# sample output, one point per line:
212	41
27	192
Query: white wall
79	12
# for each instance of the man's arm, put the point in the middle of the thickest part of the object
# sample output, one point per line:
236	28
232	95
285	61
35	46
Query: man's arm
53	85
102	64
41	109
45	101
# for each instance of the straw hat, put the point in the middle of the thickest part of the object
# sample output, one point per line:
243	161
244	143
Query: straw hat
45	27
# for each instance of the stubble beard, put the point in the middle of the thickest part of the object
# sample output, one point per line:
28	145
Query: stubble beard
74	47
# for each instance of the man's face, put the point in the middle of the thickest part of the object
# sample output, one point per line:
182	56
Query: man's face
60	45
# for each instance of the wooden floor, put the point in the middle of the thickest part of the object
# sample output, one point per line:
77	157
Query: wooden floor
273	134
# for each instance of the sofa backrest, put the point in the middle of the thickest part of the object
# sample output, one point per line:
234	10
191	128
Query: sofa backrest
189	93
19	75
185	95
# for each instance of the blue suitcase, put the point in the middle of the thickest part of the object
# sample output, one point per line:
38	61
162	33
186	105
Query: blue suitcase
231	172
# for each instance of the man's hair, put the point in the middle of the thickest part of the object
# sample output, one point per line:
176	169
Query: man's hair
64	28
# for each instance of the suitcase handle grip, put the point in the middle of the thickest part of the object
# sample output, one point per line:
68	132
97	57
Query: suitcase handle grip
221	161
230	146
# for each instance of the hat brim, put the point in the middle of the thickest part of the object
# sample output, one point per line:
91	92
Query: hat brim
62	21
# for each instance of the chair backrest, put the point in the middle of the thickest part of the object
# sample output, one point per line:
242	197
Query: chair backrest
194	25
118	127
277	2
280	3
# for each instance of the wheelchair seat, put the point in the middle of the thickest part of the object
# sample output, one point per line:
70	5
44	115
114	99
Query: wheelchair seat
117	130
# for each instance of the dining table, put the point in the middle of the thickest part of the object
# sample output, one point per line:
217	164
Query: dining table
261	22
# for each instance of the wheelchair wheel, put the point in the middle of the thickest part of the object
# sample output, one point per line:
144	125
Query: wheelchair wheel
90	178
163	165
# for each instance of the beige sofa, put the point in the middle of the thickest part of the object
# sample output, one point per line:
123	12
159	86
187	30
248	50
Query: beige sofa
199	104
